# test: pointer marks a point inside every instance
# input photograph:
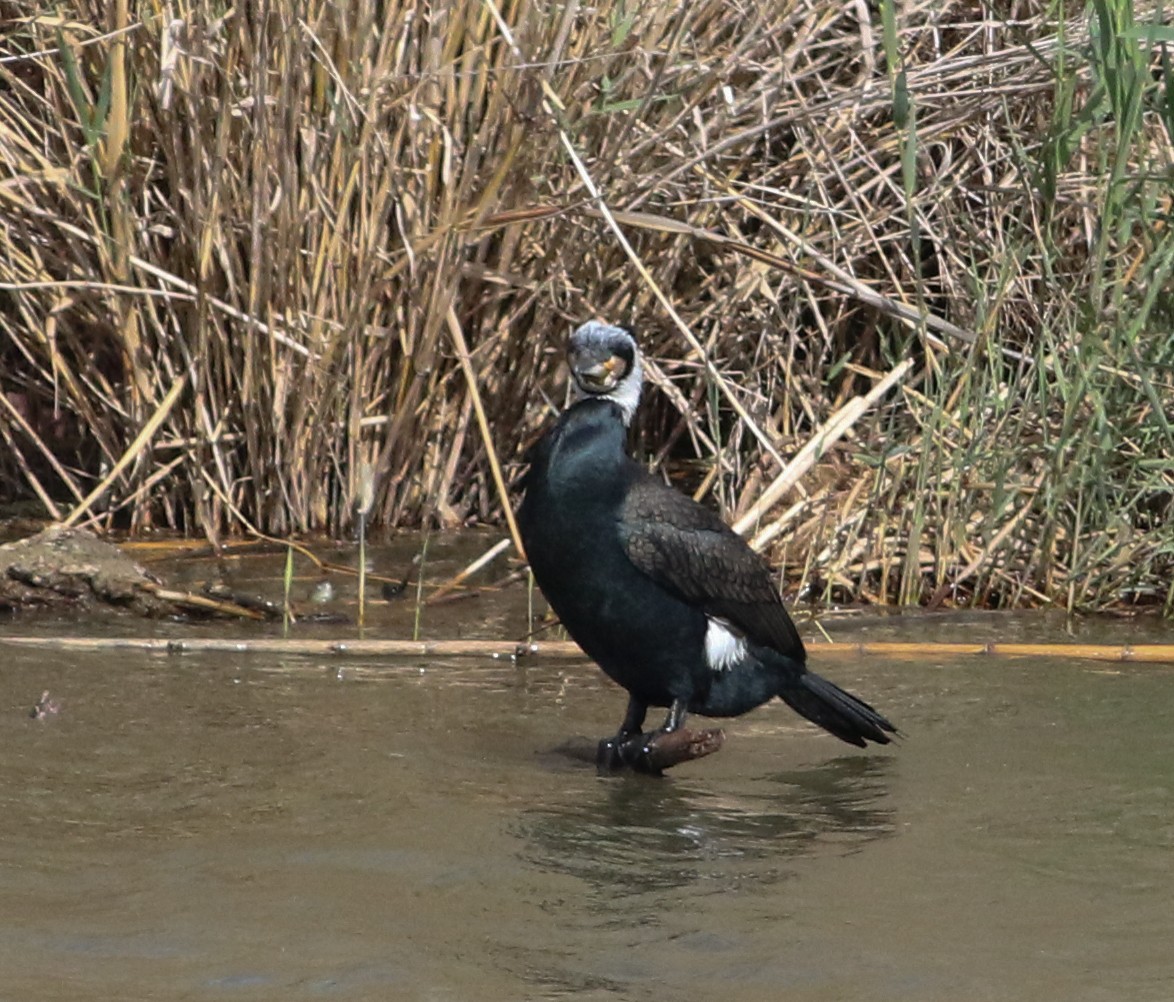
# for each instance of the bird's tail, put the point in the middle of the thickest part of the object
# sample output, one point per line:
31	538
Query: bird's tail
836	711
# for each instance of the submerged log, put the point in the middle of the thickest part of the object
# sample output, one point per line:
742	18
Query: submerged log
650	753
663	749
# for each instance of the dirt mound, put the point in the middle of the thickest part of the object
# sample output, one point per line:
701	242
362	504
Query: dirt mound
62	566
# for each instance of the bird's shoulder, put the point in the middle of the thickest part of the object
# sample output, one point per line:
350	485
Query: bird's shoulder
671	536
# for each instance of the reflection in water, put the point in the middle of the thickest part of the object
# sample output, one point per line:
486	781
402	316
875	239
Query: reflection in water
680	879
642	834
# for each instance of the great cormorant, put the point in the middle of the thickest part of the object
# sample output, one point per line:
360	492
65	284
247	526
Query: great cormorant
667	599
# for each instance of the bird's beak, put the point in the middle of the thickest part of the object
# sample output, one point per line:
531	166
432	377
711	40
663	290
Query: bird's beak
602	376
605	375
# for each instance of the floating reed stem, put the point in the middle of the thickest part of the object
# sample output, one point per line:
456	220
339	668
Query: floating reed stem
565	649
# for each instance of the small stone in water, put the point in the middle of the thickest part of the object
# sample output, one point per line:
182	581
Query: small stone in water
45	707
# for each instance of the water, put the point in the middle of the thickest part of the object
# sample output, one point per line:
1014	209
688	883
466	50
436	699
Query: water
280	828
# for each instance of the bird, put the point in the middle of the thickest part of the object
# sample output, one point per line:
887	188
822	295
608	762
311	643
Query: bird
657	589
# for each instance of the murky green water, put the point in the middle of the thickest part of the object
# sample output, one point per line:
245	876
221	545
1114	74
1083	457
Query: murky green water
255	828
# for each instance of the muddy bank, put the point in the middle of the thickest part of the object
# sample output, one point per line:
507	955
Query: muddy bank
62	567
68	567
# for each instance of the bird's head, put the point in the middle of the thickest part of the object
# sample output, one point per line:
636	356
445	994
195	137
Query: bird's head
605	362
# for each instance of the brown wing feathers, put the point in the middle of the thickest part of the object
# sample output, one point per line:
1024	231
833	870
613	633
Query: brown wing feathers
686	548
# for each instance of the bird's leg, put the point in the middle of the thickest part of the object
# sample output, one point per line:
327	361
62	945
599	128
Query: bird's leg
641	751
648	752
633	718
676	718
610	755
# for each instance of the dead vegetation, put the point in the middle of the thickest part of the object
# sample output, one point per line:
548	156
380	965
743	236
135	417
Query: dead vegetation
246	253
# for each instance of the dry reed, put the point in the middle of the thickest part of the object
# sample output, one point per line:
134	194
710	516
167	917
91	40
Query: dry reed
248	252
1162	654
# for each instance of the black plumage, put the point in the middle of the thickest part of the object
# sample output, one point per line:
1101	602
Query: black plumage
667	599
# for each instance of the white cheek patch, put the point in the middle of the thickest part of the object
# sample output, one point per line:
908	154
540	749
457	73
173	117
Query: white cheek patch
723	647
626	392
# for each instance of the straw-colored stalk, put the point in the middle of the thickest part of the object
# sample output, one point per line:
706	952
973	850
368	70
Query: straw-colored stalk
292	211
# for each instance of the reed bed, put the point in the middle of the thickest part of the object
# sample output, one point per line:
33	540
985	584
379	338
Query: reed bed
260	262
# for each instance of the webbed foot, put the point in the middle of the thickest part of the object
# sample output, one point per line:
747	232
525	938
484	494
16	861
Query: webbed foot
610	756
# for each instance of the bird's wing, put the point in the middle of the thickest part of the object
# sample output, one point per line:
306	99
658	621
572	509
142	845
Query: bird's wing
689	550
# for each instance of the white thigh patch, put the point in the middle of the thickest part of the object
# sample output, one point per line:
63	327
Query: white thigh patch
723	647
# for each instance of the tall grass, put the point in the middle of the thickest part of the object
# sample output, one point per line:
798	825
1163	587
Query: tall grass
297	241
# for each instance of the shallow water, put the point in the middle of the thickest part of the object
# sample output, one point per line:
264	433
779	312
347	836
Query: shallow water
280	828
